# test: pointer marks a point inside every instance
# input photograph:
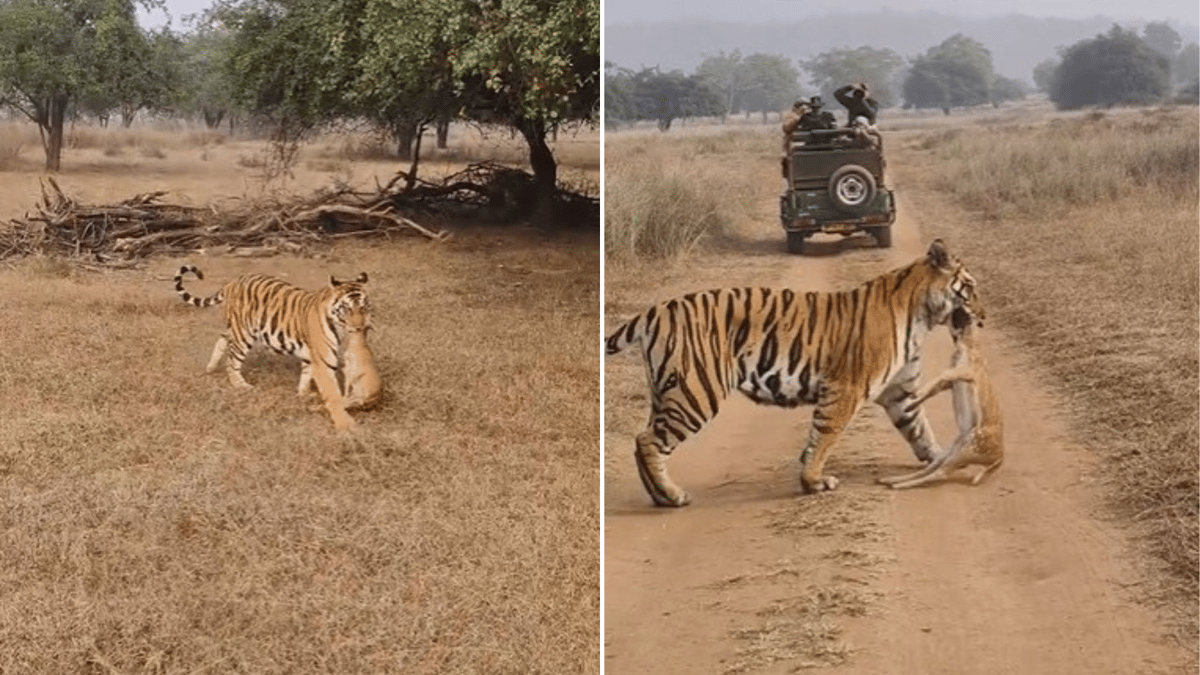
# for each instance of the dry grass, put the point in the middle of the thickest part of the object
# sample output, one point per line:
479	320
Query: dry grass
1083	231
668	194
155	520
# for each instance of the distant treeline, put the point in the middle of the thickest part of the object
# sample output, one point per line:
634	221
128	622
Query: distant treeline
1117	67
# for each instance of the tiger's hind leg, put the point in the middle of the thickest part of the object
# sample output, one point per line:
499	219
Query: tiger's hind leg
217	354
235	351
679	415
651	457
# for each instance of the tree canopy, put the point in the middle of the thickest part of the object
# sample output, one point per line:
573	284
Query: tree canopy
651	94
530	65
1112	68
956	73
877	67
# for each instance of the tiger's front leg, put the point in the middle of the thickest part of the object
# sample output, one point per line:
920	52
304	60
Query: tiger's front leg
904	409
331	394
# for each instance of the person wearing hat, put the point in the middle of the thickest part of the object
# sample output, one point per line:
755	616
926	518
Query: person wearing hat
858	101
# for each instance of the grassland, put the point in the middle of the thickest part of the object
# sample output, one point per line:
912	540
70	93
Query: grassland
1084	228
155	520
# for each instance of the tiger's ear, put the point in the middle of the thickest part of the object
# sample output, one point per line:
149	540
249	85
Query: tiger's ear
362	278
333	281
937	255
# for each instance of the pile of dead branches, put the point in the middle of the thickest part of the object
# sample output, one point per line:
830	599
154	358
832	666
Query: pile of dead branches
120	234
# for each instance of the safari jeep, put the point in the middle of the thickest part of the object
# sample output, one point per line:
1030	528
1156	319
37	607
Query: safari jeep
835	185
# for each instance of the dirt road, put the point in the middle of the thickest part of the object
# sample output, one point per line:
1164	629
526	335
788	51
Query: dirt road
1018	575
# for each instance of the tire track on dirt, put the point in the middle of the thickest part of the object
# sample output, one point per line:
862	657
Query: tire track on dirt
1013	576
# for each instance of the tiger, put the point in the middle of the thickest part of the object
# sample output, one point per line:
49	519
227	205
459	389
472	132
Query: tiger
782	347
980	423
290	320
362	387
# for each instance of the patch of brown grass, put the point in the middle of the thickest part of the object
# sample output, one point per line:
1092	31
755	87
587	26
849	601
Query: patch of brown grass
670	195
1083	234
154	519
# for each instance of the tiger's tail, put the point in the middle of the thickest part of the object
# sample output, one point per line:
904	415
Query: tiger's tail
215	299
630	332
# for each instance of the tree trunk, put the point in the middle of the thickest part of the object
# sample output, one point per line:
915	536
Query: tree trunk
404	134
545	170
53	139
212	118
443	133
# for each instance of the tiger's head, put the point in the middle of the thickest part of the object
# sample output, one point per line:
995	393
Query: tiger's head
348	300
951	288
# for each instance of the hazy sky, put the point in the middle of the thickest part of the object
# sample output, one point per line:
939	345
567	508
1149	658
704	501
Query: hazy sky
178	9
621	11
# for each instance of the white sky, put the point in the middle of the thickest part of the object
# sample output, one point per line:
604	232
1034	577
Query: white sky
178	9
757	11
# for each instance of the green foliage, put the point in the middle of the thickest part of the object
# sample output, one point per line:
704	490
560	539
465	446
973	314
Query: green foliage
1110	69
1163	39
1043	74
651	94
726	77
956	73
1186	68
755	83
207	89
773	83
1008	89
838	67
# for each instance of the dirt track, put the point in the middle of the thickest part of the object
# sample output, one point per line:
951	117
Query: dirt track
1017	575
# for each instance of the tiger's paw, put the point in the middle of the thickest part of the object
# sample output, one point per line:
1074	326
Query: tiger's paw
675	500
822	484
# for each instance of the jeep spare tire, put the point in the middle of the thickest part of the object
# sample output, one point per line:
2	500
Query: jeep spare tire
852	188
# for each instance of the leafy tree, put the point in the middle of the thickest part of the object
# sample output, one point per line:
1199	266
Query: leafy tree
52	52
1112	68
956	73
773	83
209	92
1163	39
1043	74
666	97
1187	64
528	64
726	76
619	95
1008	89
838	67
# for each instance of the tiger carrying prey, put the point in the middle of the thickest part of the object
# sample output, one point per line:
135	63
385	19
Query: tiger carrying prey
980	425
290	320
786	348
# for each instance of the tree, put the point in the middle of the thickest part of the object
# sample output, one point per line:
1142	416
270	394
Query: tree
773	83
1186	68
1163	39
956	73
665	97
530	65
725	75
619	99
1008	89
209	92
1043	74
838	67
1112	68
52	52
